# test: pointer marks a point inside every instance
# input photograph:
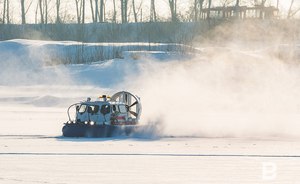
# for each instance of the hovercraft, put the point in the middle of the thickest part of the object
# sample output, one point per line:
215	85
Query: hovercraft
104	117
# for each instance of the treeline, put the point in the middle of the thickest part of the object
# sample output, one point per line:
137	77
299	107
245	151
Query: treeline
214	31
149	32
117	11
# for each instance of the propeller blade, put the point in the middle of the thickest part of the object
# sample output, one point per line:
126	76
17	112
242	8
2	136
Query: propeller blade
133	113
133	104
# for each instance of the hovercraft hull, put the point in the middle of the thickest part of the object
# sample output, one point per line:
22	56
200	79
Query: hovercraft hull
85	130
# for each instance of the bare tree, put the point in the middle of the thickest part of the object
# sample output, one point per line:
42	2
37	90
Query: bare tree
43	7
124	14
80	11
41	11
134	11
5	12
201	6
23	13
101	16
57	11
77	4
96	10
225	3
263	2
291	12
290	9
208	10
237	9
96	14
152	11
137	10
92	10
46	11
198	6
36	13
173	8
80	6
196	12
83	12
115	12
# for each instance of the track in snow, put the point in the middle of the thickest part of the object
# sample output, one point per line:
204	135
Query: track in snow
150	154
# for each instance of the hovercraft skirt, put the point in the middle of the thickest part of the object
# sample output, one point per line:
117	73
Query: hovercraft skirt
86	130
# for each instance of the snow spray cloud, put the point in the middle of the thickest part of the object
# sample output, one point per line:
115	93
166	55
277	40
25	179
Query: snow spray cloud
228	95
222	92
24	62
30	69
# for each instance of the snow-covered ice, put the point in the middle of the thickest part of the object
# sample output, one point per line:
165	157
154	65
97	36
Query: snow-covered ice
220	119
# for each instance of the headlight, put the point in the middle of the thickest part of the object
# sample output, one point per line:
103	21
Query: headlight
86	122
92	123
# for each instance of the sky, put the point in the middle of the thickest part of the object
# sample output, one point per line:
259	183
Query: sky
68	11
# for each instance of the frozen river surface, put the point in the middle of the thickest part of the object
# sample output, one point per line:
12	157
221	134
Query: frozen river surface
47	159
33	151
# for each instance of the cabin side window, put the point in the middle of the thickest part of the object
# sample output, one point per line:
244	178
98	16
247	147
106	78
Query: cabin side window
105	109
114	109
122	109
96	109
93	109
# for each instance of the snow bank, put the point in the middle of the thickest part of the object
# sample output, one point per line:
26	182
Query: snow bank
52	52
31	61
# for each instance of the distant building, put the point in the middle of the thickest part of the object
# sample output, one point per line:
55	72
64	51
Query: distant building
240	12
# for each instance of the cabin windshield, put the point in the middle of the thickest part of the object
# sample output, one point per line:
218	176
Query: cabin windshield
82	108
